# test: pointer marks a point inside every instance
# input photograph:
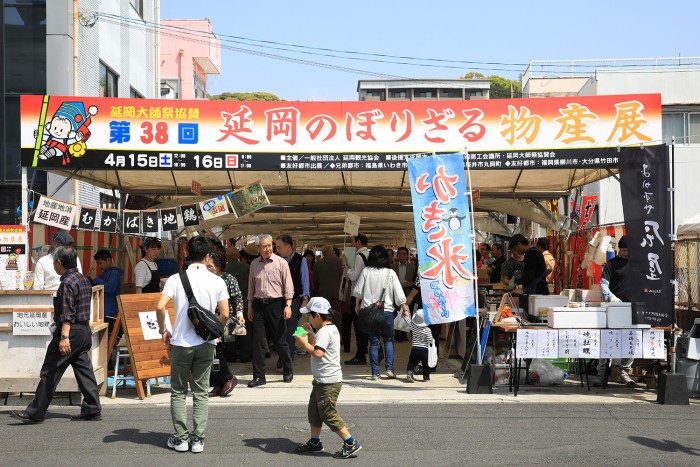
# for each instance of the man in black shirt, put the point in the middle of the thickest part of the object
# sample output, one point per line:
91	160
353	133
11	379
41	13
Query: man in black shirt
534	269
614	287
494	269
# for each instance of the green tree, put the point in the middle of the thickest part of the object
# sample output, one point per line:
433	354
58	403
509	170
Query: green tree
245	96
501	88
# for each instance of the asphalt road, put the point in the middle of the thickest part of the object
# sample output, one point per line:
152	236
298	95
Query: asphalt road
397	434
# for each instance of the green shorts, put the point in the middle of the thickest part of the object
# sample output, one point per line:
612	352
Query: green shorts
322	406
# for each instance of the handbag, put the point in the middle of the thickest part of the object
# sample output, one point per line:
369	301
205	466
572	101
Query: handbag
432	354
206	323
402	323
370	319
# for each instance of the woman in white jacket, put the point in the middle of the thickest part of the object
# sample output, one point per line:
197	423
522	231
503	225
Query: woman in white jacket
375	277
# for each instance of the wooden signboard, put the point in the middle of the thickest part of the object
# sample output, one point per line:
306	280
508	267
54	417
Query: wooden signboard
149	357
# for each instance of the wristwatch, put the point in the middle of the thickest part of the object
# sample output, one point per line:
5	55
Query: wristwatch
63	338
163	331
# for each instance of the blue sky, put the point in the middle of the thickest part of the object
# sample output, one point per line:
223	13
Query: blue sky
447	30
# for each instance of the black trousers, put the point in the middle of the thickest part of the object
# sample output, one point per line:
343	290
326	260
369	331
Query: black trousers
418	354
269	319
361	339
218	378
56	364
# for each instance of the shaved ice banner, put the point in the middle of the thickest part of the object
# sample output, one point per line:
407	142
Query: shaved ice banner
443	227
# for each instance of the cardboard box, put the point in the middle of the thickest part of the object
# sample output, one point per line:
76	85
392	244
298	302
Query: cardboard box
573	318
619	316
539	305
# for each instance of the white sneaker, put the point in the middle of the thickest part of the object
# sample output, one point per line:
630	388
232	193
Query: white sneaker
625	379
197	445
178	444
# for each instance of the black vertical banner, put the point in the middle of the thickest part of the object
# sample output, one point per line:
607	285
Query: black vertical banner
646	201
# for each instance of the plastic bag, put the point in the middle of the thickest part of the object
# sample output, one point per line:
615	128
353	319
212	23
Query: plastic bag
432	355
543	373
402	323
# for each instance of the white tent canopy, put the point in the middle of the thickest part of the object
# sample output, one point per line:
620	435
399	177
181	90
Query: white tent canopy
690	227
312	205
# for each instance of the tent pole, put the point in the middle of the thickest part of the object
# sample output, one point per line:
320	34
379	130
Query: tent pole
474	282
25	199
674	360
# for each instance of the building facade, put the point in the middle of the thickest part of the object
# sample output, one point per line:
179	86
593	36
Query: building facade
676	79
189	52
423	89
109	49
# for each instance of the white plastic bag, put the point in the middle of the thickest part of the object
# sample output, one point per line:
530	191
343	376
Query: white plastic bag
432	354
402	323
543	373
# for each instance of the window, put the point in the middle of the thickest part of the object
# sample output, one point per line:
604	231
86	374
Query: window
425	93
138	6
374	95
170	89
200	90
451	94
694	128
108	82
133	93
673	126
399	94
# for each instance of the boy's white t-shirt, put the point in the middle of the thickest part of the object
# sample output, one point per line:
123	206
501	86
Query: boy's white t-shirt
327	369
208	288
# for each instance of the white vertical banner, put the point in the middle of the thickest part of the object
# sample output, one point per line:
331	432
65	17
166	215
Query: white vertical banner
610	343
632	343
547	343
568	343
654	346
526	346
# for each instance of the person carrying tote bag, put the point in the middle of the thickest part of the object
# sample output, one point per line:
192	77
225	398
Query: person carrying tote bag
375	277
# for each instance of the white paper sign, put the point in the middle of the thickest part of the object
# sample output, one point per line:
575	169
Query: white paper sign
632	343
526	346
149	325
547	343
654	346
31	323
610	343
352	223
568	343
214	207
55	213
589	343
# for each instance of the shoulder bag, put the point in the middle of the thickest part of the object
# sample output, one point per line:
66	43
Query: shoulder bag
370	319
206	323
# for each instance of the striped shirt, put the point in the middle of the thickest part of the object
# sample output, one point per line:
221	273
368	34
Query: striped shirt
422	336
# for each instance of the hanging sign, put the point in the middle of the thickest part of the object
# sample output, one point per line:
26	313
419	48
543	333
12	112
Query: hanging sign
196	188
131	222
149	222
248	199
87	218
443	237
108	220
646	204
215	207
147	134
55	213
168	219
189	215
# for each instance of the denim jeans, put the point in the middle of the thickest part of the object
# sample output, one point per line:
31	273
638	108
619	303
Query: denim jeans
386	333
